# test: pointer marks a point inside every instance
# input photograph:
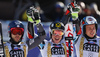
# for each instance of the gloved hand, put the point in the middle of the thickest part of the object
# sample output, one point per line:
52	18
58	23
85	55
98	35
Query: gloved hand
33	15
74	10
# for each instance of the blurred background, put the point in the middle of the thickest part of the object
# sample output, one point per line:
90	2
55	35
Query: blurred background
50	10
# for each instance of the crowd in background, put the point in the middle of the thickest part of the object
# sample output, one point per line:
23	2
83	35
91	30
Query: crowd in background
52	10
85	10
89	10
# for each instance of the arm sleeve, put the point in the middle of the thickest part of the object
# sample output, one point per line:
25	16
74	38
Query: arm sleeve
65	19
36	41
77	22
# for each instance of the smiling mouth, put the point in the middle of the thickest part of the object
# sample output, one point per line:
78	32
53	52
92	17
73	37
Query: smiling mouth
17	37
92	33
56	38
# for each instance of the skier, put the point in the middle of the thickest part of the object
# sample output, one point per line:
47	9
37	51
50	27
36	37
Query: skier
55	47
88	43
15	47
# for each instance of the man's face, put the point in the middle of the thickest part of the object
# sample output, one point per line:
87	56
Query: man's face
16	37
16	34
90	30
57	36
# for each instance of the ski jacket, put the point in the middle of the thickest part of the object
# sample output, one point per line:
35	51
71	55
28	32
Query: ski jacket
15	50
39	37
49	49
87	48
21	49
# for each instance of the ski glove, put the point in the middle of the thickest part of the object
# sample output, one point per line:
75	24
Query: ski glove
33	15
74	10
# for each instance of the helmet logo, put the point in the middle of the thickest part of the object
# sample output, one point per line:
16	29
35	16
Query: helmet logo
18	24
90	19
58	25
83	22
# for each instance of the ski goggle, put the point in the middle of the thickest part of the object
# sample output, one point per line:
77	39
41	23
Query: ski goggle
19	31
58	32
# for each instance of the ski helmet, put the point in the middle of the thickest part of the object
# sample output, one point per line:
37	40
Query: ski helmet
56	26
13	25
88	20
59	5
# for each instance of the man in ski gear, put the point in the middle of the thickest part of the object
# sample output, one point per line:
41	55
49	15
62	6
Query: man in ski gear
15	47
88	43
55	47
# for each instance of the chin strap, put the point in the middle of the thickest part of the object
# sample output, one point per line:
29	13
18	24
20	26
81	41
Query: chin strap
14	42
87	37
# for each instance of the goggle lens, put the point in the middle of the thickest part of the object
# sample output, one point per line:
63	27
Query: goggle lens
58	32
19	31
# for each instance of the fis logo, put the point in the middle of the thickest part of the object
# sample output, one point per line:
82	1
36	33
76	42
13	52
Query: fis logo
16	48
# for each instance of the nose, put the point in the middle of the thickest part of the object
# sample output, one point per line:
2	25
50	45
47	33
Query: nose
57	35
92	29
17	34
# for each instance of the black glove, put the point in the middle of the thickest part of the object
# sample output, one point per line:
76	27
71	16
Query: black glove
73	9
33	15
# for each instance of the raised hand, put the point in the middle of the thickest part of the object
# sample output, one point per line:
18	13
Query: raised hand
74	9
33	15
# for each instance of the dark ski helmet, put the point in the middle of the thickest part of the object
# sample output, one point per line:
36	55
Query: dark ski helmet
59	5
15	24
56	26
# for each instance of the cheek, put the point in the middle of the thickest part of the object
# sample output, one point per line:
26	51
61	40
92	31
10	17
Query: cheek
20	36
60	37
12	36
94	31
87	31
53	37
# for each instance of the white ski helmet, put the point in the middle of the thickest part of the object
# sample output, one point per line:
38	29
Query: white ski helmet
88	20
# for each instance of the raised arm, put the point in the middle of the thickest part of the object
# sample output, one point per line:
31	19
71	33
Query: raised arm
71	15
34	19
